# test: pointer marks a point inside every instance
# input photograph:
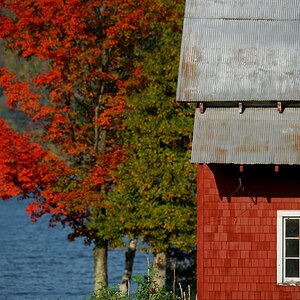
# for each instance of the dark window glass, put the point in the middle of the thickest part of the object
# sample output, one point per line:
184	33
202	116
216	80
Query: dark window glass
292	227
292	248
292	268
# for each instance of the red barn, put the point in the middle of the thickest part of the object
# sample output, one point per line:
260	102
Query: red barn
240	61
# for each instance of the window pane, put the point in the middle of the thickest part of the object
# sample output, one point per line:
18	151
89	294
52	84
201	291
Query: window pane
292	248
292	268
292	227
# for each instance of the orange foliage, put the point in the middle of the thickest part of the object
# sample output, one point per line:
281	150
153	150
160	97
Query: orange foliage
89	46
25	167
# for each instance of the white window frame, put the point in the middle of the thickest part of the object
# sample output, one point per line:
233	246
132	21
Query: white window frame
281	215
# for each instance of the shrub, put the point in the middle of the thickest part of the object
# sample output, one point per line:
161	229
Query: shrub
146	290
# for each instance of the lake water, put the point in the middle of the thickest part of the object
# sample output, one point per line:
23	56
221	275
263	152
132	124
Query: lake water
39	263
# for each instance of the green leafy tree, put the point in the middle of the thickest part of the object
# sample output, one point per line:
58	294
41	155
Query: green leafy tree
155	197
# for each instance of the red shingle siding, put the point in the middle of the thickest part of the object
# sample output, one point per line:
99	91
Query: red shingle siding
237	234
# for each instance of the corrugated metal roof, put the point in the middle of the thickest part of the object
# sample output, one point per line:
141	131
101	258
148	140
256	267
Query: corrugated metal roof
243	9
240	50
257	136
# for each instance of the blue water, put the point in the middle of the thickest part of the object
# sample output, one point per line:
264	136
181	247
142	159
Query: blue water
39	263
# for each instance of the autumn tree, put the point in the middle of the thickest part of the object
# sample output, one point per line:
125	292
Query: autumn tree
157	183
25	166
77	105
24	70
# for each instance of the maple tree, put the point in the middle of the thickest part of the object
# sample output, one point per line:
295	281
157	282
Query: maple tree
26	167
77	106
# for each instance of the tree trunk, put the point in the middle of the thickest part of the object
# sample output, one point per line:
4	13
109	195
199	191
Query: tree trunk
160	269
100	265
129	259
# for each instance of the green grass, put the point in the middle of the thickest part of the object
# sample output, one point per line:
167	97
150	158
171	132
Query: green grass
146	290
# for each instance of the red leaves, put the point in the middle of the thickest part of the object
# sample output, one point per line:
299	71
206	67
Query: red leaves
19	93
30	171
103	171
78	102
53	77
25	167
6	78
27	29
114	108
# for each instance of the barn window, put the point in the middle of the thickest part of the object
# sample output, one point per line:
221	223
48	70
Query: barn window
288	247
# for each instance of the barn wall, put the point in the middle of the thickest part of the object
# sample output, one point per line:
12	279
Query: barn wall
237	215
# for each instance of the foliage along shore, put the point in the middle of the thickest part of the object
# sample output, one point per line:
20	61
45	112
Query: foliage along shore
146	290
106	151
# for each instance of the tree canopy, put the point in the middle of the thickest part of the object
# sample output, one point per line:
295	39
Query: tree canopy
107	149
156	182
79	101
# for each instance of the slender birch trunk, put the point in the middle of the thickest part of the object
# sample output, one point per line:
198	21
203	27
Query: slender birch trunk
160	269
100	265
129	259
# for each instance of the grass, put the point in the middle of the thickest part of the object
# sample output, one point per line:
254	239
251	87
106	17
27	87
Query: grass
146	290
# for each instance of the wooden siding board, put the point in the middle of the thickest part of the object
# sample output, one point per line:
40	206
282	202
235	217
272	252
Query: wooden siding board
248	270
257	136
